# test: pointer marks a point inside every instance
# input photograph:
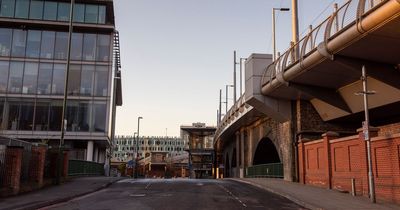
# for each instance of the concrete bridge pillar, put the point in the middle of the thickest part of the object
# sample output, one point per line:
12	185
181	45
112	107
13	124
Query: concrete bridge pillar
241	165
237	139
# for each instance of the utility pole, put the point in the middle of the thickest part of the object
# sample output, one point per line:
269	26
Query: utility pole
219	113
234	76
295	28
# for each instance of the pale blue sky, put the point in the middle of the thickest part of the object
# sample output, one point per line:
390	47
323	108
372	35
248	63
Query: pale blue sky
177	54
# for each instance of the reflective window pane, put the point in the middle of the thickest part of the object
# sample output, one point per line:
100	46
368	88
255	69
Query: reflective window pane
91	13
85	113
103	48
7	8
61	47
5	41
76	46
55	115
19	43
4	65
99	117
47	47
72	115
15	79
21	8
12	115
36	11
30	78
63	12
102	14
58	79
79	13
89	47
42	115
87	80
74	79
101	81
50	10
44	78
26	116
33	44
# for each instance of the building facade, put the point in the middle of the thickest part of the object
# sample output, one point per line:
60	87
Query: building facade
126	146
33	59
201	151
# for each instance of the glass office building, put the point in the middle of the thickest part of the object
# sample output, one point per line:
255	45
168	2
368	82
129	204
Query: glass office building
33	58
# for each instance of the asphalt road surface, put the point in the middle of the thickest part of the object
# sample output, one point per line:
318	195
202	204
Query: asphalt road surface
176	194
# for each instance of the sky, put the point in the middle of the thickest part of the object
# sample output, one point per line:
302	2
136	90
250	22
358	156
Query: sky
177	54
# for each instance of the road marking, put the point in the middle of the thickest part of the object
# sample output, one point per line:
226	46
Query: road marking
232	195
148	185
137	195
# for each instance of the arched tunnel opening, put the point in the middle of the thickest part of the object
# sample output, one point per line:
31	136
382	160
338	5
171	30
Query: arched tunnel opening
266	153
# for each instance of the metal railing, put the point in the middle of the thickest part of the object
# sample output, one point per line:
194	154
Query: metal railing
84	168
348	14
271	170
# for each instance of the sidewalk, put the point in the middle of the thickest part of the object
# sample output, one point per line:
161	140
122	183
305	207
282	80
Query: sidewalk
55	194
313	197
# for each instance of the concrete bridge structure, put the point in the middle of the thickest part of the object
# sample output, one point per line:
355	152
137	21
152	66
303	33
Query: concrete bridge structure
310	89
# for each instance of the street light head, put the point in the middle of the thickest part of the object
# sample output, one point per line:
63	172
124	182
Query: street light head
140	118
284	9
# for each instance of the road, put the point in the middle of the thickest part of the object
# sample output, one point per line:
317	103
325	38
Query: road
178	194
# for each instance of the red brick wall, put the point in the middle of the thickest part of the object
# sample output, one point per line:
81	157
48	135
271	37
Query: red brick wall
333	163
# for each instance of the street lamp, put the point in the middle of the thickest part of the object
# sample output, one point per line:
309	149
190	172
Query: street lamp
367	137
226	97
137	147
241	73
273	30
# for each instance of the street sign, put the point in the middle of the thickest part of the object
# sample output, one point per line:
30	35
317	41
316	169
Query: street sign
365	131
130	164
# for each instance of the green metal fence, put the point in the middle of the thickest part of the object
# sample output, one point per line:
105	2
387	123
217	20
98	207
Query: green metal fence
273	170
84	168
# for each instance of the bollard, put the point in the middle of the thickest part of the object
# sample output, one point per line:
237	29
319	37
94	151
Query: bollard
353	186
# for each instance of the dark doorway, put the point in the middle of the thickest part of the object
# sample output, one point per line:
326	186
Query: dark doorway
227	166
266	153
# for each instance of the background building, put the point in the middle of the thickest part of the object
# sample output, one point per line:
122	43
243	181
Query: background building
125	147
33	53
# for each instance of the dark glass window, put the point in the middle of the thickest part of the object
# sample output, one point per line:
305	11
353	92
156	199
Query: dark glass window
58	79
101	81
103	48
47	47
19	43
42	115
30	78
50	10
12	114
79	13
74	79
72	115
5	41
21	8
76	46
63	12
61	47
55	115
7	8
36	11
87	80
85	113
91	13
102	14
89	47
99	117
4	66
33	44
15	79
44	78
26	115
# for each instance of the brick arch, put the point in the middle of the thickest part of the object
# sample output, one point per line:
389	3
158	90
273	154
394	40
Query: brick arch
266	152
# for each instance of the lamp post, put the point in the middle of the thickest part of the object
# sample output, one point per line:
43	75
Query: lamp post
64	107
220	109
234	76
367	137
226	97
137	148
273	30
